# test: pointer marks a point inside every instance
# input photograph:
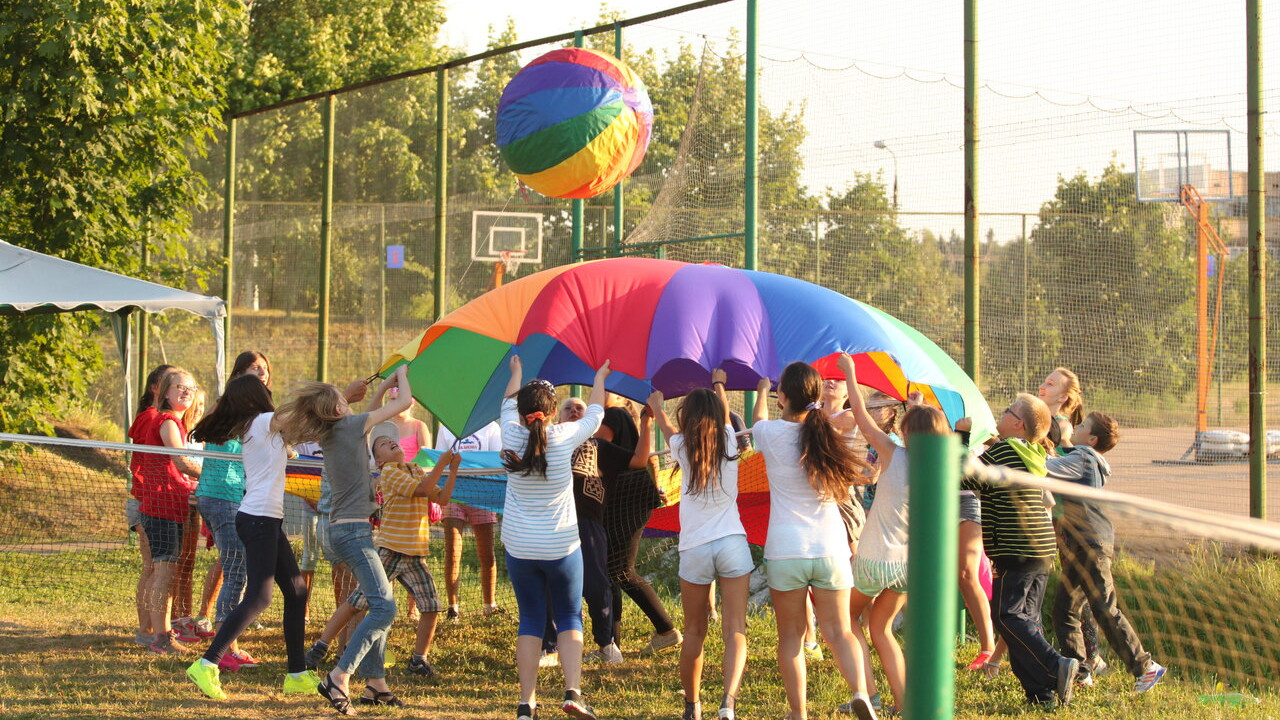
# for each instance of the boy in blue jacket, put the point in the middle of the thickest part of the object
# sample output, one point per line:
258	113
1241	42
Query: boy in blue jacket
1087	550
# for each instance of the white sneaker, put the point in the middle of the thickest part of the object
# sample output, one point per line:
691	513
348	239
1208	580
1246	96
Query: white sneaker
610	654
1153	675
549	660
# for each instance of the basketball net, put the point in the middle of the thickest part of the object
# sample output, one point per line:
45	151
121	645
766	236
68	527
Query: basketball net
508	262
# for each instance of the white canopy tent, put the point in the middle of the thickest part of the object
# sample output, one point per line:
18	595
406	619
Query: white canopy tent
34	283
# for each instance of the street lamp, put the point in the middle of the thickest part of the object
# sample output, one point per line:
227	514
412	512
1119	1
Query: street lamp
880	145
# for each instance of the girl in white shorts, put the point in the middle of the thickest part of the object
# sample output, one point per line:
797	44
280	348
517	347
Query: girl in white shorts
713	543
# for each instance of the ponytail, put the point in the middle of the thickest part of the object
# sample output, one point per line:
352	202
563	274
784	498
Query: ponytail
536	402
829	461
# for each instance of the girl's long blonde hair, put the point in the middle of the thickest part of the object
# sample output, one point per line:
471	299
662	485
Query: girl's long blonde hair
1073	399
311	414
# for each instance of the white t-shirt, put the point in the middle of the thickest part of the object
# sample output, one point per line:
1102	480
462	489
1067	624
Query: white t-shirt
264	464
884	537
539	521
713	513
487	438
801	524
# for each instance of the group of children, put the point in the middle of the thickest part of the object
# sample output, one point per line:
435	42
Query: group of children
812	568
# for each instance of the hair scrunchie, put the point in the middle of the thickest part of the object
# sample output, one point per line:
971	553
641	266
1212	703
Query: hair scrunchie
534	416
815	405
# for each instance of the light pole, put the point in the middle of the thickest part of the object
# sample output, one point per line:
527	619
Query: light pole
880	144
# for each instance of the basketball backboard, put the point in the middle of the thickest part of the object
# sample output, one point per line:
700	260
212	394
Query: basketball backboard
1165	160
518	234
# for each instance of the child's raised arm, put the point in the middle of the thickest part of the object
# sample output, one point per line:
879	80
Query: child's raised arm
718	376
664	423
442	495
762	400
645	444
517	377
403	401
876	437
597	387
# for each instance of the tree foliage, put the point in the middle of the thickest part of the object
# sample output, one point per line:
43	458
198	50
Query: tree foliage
102	102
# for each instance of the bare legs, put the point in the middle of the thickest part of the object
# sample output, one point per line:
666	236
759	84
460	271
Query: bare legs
975	598
697	601
832	608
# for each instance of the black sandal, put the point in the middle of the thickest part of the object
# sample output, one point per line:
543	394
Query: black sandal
380	698
338	699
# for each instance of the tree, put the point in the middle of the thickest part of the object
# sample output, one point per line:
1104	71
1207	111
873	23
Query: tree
1119	284
100	103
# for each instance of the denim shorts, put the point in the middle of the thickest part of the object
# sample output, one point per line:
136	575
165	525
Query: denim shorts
726	557
164	538
132	515
824	573
970	508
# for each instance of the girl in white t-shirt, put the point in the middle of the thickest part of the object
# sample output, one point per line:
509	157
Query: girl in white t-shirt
713	543
811	469
246	411
880	570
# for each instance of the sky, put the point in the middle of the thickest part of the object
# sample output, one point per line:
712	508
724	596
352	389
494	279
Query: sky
1065	84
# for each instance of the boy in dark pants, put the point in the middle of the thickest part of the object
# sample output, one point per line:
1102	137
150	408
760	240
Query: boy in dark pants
1018	537
1088	546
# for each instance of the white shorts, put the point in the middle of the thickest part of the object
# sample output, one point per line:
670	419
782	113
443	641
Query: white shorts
726	557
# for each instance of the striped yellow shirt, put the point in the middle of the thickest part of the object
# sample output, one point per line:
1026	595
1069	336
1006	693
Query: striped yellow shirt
405	523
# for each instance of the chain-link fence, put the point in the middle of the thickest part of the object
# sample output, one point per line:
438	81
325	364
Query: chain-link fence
861	177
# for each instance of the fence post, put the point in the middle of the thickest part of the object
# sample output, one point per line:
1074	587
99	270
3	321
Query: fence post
575	248
971	247
442	182
1257	269
751	163
326	240
617	189
934	498
228	231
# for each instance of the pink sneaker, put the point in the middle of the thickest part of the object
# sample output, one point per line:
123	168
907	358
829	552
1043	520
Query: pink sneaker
245	659
228	663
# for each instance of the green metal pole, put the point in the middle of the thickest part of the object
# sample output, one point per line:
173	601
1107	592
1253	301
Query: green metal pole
326	241
971	247
1257	269
617	189
442	186
751	163
144	330
228	231
575	248
934	498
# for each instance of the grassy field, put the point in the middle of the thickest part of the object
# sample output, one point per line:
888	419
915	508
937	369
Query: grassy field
66	623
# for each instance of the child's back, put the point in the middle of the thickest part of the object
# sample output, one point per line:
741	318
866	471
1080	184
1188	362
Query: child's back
1083	521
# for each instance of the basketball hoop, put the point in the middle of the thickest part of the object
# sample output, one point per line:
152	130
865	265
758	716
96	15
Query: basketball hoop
510	260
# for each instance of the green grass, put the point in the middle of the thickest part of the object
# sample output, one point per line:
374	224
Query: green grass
66	623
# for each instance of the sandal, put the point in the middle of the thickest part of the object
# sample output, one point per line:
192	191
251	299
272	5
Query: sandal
380	698
338	699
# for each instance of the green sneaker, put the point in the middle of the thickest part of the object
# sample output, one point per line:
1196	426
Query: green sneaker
207	679
304	684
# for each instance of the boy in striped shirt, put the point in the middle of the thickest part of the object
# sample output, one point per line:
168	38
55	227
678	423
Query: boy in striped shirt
403	538
1018	536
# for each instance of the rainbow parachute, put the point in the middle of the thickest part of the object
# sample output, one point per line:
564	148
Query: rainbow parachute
574	122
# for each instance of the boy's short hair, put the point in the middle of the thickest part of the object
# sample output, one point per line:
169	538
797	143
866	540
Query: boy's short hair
1105	429
1034	415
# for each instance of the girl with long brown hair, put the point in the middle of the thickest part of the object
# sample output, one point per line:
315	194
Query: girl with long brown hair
713	542
811	468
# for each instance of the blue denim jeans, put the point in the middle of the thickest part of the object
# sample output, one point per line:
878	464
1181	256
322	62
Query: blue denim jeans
220	517
366	650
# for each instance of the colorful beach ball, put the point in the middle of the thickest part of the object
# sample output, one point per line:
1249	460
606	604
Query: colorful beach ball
574	123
